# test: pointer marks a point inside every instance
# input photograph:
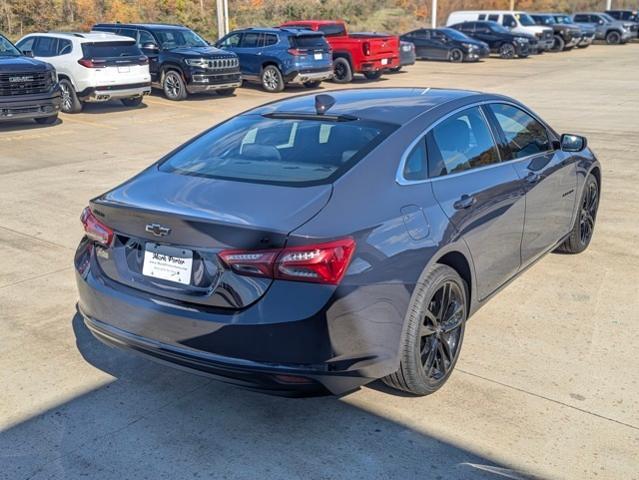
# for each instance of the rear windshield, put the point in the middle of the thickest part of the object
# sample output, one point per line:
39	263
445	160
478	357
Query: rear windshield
332	30
283	151
110	49
308	41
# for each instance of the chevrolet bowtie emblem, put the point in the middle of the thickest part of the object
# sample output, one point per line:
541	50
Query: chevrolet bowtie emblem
157	229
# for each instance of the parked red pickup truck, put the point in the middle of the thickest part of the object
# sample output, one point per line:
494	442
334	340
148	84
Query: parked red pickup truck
355	53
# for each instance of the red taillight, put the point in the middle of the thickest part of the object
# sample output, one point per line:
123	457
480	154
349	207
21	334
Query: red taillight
320	263
95	229
367	48
296	51
91	63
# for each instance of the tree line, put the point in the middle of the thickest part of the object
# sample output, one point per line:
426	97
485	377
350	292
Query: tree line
18	17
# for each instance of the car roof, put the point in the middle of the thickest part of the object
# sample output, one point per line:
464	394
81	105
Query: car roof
390	105
82	37
290	30
143	25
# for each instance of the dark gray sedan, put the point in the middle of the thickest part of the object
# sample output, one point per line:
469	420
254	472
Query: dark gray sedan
321	242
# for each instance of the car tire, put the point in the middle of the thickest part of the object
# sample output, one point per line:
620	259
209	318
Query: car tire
271	79
507	50
433	337
374	75
173	86
225	92
559	45
342	71
70	101
313	84
396	69
584	226
613	38
132	102
456	56
47	120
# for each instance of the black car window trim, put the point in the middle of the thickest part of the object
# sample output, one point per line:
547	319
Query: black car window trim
399	176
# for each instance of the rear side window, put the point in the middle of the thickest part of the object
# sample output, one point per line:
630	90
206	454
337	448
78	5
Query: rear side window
308	41
288	151
110	49
581	18
269	39
415	167
461	142
493	18
524	135
332	30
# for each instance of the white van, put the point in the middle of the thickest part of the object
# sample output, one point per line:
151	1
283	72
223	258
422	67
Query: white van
518	22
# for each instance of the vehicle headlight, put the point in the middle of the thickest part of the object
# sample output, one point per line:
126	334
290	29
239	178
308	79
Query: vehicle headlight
197	62
521	40
469	46
54	75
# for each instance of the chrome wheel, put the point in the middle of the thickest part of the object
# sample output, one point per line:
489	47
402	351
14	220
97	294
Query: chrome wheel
173	85
588	213
441	331
507	51
67	99
270	79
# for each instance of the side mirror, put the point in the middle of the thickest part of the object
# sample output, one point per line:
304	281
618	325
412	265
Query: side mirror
600	22
573	143
28	53
151	47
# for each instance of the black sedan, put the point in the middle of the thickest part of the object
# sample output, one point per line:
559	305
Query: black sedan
445	44
321	242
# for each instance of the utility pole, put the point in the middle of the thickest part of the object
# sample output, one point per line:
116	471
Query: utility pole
433	14
222	18
608	4
512	4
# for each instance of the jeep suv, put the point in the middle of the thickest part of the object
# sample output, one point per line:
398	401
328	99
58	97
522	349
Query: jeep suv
607	28
92	67
277	56
28	88
181	61
566	36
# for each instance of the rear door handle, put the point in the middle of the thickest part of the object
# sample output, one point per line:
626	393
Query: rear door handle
466	201
532	177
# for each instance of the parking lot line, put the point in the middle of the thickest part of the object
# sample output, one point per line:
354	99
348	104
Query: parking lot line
67	118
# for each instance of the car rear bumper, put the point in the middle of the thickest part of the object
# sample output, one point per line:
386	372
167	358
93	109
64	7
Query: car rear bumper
379	64
310	76
299	338
31	106
109	92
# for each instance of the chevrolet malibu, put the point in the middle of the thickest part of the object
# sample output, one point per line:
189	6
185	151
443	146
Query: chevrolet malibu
318	243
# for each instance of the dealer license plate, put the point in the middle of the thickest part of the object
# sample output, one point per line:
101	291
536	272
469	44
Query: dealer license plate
168	263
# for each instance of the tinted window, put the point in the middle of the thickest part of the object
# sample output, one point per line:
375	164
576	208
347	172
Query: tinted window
493	18
250	40
524	135
525	19
460	143
179	38
111	49
308	41
415	167
482	16
278	150
332	30
146	37
64	46
128	32
45	47
509	21
581	18
269	39
232	40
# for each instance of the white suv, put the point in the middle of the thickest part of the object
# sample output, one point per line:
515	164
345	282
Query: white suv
92	67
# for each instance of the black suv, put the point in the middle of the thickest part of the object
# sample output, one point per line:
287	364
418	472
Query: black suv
500	40
566	35
28	88
181	62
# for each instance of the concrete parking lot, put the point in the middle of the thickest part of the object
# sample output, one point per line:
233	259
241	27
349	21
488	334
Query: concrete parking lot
547	385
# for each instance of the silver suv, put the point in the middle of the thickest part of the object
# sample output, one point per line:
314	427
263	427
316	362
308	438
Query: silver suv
607	28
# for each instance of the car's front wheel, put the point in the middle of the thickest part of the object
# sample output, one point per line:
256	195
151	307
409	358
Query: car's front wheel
174	86
613	38
507	50
434	332
456	55
584	225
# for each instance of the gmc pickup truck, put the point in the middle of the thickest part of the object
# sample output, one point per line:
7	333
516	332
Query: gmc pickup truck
355	53
28	88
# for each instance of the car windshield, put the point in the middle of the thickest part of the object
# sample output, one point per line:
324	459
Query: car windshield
7	49
546	20
563	19
179	38
110	49
286	149
495	27
525	19
455	34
